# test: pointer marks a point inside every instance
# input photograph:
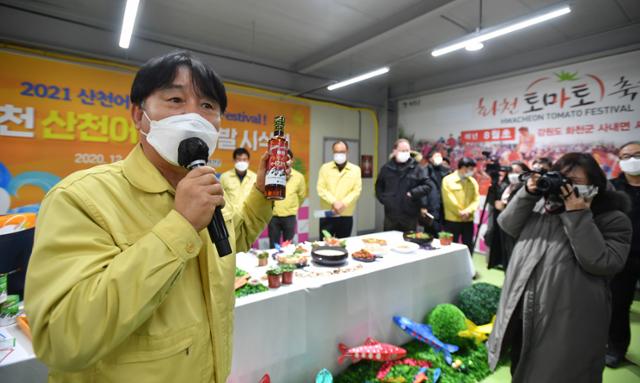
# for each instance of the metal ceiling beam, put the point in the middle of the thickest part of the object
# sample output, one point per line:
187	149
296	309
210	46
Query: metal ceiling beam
346	46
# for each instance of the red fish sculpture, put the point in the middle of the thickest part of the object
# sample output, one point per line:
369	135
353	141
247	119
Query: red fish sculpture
371	350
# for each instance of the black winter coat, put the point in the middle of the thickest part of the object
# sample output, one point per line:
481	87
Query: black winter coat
393	183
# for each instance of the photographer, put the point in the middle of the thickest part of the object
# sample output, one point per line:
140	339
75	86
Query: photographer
500	243
554	307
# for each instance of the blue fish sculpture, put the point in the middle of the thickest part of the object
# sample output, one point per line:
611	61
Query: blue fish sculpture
423	333
324	376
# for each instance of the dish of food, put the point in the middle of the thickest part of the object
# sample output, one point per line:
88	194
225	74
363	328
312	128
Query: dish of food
294	259
406	247
330	255
376	241
363	256
421	239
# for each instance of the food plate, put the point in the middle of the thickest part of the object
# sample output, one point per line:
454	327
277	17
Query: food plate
406	247
364	256
330	255
376	241
376	249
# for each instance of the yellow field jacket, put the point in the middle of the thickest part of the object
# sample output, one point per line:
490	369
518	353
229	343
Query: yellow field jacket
335	185
459	195
236	191
121	288
296	193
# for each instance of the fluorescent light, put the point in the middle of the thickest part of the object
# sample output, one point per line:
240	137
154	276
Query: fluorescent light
475	46
128	21
492	33
362	77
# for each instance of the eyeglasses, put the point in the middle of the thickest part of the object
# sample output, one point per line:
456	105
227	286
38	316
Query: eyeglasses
629	156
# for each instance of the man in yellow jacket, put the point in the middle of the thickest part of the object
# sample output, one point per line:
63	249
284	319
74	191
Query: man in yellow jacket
124	284
285	212
339	186
460	200
238	182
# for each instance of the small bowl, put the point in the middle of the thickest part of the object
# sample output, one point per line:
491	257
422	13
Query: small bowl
410	236
329	255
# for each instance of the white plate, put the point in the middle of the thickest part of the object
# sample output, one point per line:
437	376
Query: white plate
406	247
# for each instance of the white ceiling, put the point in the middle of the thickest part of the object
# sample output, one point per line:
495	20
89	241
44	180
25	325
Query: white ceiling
300	46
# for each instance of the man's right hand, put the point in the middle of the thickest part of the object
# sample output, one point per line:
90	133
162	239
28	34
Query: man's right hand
532	183
197	196
338	207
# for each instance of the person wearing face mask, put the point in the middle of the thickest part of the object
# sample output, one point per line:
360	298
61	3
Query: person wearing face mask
283	223
554	308
124	283
238	182
339	186
501	244
623	285
460	198
542	164
405	190
437	169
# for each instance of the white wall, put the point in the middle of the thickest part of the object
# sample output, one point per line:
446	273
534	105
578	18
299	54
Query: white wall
336	121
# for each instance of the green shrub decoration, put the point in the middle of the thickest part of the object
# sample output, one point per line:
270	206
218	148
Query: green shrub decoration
479	302
446	320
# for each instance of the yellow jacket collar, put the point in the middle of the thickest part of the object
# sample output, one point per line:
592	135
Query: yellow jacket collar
348	165
143	174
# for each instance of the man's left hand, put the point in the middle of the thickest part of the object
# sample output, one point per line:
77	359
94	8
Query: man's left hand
571	201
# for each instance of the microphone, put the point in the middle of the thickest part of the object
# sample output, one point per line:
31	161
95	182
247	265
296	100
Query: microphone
192	153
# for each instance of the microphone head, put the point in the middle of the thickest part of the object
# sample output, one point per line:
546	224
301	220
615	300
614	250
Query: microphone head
192	149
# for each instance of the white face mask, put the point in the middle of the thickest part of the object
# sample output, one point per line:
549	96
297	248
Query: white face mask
403	157
437	159
165	135
514	178
340	158
631	166
242	166
586	191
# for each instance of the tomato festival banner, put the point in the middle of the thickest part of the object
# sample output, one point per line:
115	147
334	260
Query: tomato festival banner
590	106
58	116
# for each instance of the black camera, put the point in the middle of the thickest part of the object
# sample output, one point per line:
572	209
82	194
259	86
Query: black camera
493	167
549	183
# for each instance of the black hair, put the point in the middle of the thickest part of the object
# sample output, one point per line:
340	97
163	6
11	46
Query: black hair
543	161
586	162
159	73
239	152
634	142
447	160
290	153
339	142
522	165
466	161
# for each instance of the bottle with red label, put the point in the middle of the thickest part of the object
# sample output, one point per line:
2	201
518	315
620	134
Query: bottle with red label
276	178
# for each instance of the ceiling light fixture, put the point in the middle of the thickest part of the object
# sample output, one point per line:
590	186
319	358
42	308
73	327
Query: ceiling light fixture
356	79
475	46
501	30
129	19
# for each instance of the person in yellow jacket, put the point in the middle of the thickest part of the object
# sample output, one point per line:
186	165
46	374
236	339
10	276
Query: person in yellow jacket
238	182
339	186
124	284
460	200
285	212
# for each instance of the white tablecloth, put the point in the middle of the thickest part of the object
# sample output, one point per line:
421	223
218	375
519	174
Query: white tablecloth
292	332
